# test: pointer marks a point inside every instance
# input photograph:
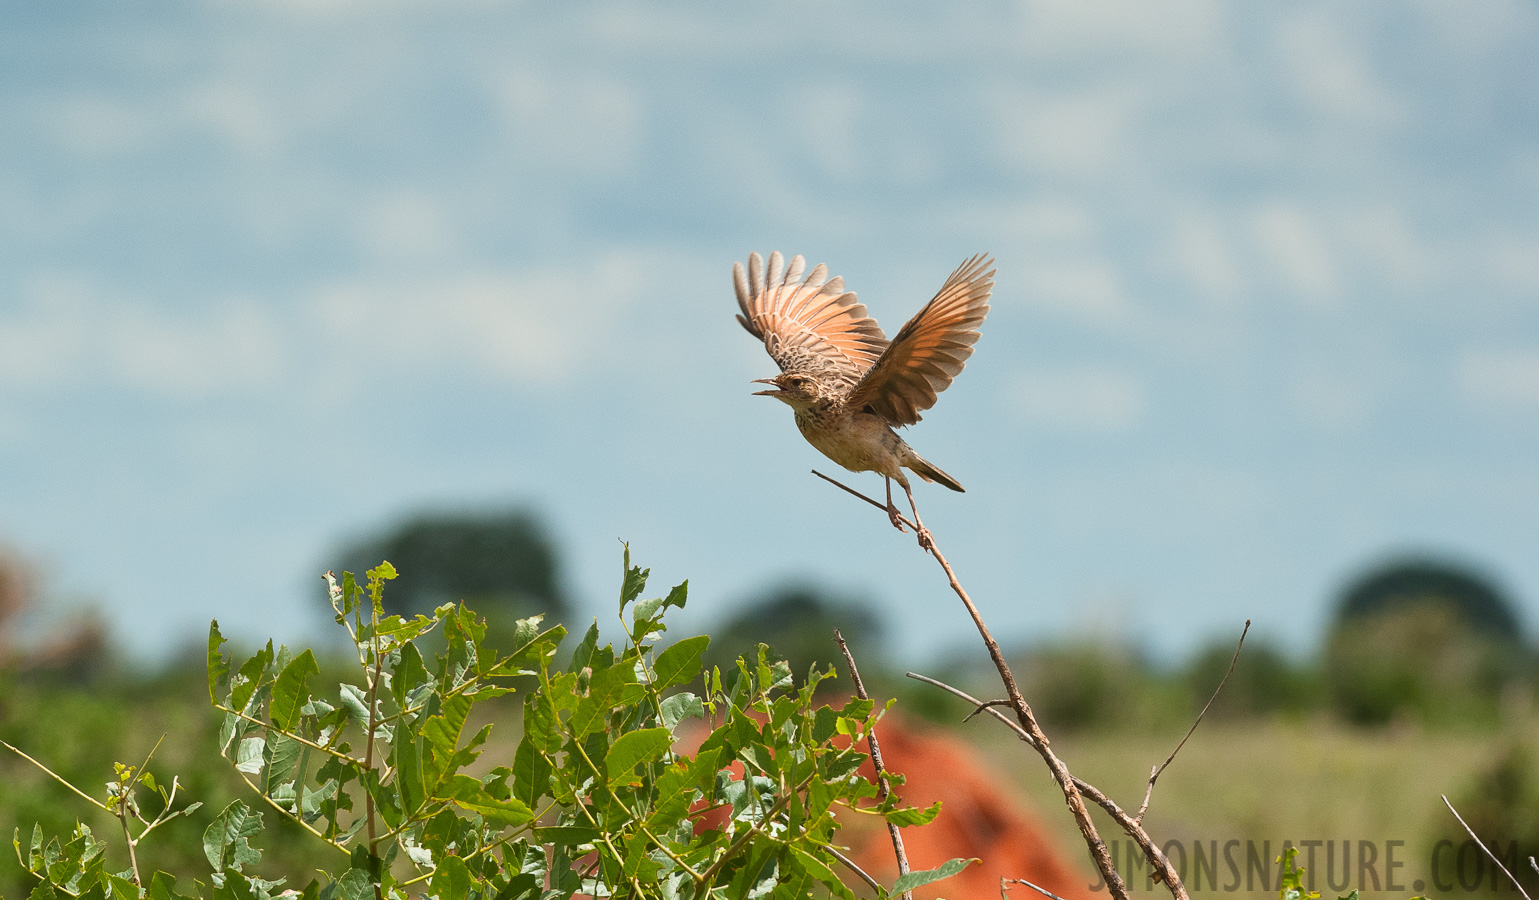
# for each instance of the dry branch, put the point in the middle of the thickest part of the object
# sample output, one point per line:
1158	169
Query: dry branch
1163	870
883	788
1028	722
1158	770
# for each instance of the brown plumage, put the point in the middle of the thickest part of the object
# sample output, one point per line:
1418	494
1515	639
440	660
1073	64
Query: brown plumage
846	382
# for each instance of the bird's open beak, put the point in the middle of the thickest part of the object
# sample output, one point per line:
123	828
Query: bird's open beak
777	389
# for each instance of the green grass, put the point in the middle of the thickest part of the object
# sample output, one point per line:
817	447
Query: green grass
1268	781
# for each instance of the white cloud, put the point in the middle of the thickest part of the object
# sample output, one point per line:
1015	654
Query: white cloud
100	125
516	325
504	324
1501	379
1200	248
1478	28
1514	261
1084	289
254	122
1086	134
68	331
407	223
1292	241
1386	243
1332	75
1070	28
1079	399
1333	400
589	122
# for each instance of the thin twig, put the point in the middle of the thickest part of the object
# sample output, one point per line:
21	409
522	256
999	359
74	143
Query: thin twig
1028	721
59	778
884	790
125	797
1157	771
1133	828
1483	846
984	707
850	864
881	506
1003	882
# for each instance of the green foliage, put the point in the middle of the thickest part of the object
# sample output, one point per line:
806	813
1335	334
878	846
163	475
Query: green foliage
1290	880
385	769
1419	661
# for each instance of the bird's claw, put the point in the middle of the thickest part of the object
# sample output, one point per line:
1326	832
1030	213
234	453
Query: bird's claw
926	542
896	518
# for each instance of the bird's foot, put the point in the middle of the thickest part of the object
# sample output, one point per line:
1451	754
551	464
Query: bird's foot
896	518
926	542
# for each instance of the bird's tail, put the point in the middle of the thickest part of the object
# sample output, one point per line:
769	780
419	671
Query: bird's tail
929	472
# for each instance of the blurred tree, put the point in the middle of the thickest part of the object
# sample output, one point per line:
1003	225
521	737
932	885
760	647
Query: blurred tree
1423	639
1415	582
502	563
16	589
1094	684
1264	681
798	621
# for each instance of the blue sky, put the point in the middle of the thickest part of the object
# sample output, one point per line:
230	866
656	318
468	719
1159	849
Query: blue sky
273	274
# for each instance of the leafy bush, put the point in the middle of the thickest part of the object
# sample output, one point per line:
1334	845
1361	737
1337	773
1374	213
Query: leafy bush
596	801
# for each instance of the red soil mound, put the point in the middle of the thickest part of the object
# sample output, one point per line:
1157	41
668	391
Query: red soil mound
981	817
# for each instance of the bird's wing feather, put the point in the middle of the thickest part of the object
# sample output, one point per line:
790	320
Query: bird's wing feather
929	351
811	324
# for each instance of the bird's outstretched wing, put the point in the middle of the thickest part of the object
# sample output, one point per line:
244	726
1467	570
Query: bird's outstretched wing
931	349
811	325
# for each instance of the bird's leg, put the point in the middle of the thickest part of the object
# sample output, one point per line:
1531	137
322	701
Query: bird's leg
892	510
925	540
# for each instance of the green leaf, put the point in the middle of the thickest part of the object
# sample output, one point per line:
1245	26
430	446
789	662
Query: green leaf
906	883
582	654
677	596
568	835
408	771
224	842
356	884
680	663
531	773
278	759
43	891
634	748
471	795
163	887
245	683
681	706
909	816
408	675
824	722
608	689
635	581
676	788
120	888
820	871
646	610
218	666
290	692
356	702
452	879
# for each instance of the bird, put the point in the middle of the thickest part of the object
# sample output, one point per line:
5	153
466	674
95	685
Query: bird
848	385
